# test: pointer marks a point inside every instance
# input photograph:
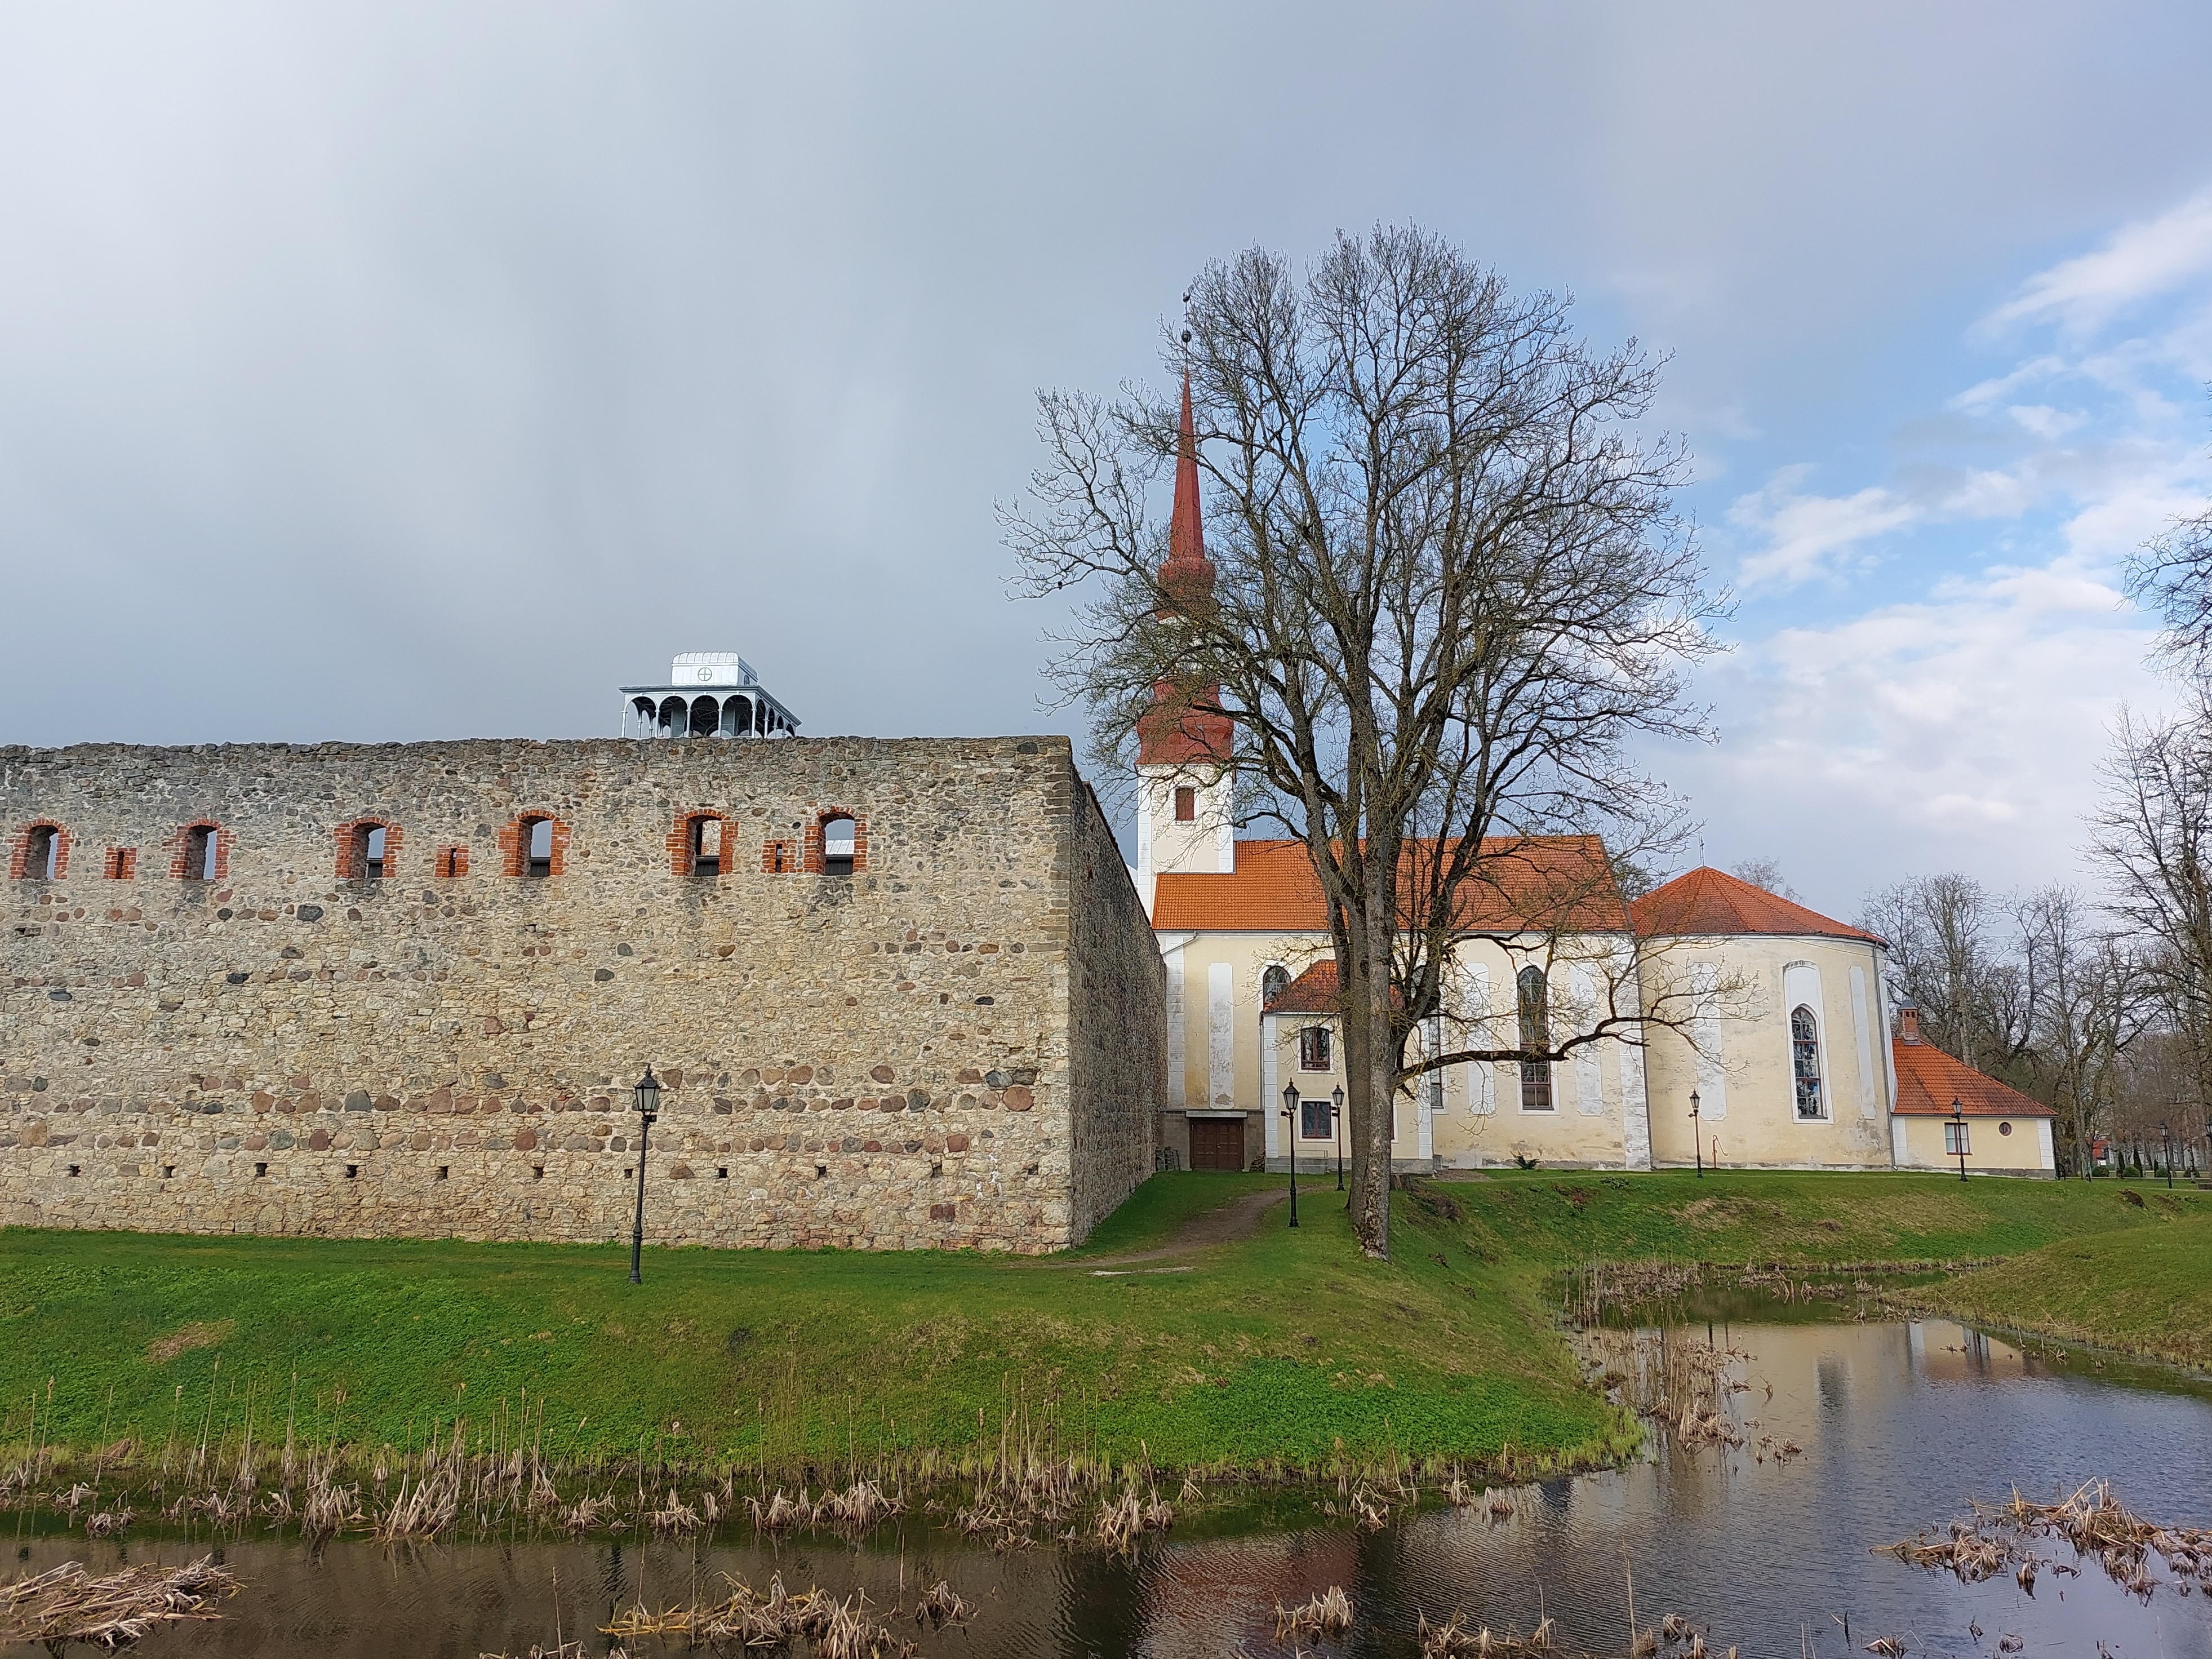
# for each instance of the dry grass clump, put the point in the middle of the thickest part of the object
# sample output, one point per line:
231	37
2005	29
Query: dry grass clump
1452	1640
839	1629
1124	1520
861	1508
1328	1613
2098	1526
106	1523
68	1604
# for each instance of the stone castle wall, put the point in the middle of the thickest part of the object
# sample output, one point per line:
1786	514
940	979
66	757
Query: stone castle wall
887	1058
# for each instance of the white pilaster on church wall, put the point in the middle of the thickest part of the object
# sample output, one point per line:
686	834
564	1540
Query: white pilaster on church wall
1268	1113
1634	1096
1178	1085
1705	1034
1862	1034
1220	1035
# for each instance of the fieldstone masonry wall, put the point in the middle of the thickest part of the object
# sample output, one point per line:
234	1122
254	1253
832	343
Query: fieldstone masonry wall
958	1045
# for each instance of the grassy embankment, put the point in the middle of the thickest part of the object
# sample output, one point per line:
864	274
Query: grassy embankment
1281	1350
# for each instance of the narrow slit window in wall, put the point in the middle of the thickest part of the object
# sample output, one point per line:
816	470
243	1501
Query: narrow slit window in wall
537	847
706	846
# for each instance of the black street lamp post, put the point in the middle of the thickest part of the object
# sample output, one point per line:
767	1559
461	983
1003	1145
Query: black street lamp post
1291	1139
649	1109
1336	1120
1697	1135
1959	1134
2165	1135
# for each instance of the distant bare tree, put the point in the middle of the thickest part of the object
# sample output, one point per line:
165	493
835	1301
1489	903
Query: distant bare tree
1945	960
1448	589
2153	841
1766	872
2089	1002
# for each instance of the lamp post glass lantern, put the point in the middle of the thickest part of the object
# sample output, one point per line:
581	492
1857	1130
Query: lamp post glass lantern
1697	1135
1291	1139
1336	1120
648	1094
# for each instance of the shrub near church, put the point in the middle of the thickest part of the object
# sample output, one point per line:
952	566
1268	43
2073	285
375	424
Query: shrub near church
403	990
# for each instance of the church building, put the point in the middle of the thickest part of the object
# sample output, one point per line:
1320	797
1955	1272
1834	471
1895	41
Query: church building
1740	1028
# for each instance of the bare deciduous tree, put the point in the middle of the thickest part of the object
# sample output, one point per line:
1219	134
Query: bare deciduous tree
1448	587
2153	839
2088	1003
1944	962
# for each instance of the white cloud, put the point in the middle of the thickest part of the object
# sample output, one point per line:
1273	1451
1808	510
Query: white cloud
2141	261
1960	729
1806	535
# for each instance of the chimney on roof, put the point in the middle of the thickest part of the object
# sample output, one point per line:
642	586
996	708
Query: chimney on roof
1908	1025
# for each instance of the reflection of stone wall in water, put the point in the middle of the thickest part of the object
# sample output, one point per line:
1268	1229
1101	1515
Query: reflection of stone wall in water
958	1044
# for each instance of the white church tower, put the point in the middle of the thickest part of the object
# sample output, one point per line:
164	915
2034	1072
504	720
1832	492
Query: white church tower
1186	787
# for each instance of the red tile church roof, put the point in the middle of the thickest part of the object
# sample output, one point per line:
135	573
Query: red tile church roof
1929	1080
1544	882
1712	902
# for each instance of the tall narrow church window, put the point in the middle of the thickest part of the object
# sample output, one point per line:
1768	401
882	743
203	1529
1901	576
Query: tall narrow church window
1805	1060
1534	1000
1186	804
1274	983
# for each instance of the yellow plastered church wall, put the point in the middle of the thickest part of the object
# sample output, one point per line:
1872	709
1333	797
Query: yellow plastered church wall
1728	1002
2027	1150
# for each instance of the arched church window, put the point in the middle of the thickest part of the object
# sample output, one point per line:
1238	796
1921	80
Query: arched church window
1533	996
1273	982
1805	1061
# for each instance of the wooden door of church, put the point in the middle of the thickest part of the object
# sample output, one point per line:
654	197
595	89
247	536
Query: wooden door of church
1217	1143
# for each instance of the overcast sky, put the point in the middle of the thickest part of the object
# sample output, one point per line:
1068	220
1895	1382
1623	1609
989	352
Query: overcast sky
415	371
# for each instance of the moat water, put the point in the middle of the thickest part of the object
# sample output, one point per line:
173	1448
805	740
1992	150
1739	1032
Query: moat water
1901	1424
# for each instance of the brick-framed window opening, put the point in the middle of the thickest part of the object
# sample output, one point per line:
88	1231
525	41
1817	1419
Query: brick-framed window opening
779	857
121	864
698	845
368	849
201	852
1314	1049
533	844
1186	804
41	854
447	862
836	843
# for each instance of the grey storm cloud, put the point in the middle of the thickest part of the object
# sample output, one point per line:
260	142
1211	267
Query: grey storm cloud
409	371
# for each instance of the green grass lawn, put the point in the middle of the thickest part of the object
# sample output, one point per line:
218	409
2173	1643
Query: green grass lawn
2138	1292
1284	1350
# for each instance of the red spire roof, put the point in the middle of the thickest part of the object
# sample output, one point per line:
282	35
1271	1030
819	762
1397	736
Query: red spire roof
1172	732
1187	564
1712	902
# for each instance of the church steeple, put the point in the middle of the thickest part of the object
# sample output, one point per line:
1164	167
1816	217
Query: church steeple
1186	786
1172	732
